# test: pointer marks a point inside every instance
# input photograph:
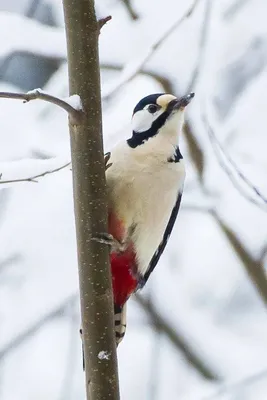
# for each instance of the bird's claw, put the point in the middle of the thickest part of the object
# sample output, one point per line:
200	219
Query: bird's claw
106	159
115	245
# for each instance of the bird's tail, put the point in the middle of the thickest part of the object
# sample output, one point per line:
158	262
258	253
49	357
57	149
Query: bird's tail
120	322
120	326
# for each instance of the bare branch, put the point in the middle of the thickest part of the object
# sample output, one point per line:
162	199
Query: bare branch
204	34
263	253
31	330
161	79
37	94
128	5
233	386
103	21
178	341
33	178
219	151
134	67
254	268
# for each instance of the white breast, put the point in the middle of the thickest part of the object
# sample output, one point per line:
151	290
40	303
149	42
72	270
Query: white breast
142	193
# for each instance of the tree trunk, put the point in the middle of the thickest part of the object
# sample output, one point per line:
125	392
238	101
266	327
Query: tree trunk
90	203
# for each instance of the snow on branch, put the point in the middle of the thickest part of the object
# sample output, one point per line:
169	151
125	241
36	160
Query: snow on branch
134	67
233	171
75	113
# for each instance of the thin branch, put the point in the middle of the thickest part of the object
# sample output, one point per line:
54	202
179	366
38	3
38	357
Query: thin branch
134	67
37	94
103	21
230	387
128	5
263	253
33	178
178	341
36	326
204	35
254	268
219	150
161	79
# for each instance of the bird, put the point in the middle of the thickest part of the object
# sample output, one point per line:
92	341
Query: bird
145	178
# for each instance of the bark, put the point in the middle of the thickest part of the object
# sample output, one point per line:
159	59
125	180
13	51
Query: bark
90	203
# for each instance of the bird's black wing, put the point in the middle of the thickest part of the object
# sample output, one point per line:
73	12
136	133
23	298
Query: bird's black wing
167	233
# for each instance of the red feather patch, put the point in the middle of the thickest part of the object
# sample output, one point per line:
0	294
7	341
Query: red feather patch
123	265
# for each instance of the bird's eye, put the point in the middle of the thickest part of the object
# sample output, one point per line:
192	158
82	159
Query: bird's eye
152	108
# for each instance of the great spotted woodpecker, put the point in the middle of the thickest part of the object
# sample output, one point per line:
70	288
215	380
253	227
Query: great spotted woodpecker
145	176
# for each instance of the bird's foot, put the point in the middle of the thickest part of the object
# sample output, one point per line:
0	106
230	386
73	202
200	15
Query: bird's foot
106	159
115	245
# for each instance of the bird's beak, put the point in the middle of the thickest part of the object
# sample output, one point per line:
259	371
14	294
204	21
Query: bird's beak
180	104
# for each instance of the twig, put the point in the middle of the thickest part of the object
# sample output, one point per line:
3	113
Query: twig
103	21
217	146
37	94
33	178
177	340
133	68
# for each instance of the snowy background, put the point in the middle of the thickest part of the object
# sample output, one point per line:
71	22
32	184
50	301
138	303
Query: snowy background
198	331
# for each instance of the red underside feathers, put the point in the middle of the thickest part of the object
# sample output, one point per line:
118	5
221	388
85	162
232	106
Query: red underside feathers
123	265
123	281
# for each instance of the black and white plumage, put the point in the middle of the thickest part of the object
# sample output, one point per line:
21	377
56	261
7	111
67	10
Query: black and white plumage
145	178
145	183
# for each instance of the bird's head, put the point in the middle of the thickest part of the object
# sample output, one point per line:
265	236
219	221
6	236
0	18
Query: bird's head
156	115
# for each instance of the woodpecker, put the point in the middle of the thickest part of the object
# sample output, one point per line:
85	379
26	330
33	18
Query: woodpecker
145	177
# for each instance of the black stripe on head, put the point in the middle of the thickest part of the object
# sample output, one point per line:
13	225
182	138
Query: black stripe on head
151	99
139	138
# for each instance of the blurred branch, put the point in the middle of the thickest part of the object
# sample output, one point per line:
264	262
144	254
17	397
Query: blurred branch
134	66
17	341
161	79
128	5
219	151
37	94
177	340
254	268
230	387
33	178
195	150
13	259
263	253
234	8
202	44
